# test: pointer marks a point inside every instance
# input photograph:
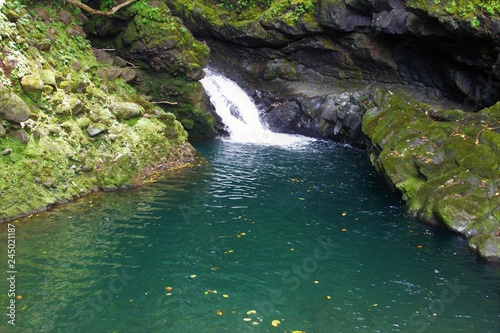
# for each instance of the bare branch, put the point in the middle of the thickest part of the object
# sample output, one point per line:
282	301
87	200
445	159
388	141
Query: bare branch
100	12
164	102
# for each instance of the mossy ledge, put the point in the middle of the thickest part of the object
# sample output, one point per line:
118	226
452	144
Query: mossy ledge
444	162
69	124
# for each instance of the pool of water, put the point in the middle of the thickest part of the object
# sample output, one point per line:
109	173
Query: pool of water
309	238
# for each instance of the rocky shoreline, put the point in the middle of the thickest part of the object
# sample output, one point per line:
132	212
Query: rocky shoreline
415	82
70	125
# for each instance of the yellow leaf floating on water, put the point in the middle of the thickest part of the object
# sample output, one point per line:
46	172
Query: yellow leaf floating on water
298	332
255	323
225	296
329	297
192	276
316	282
247	319
219	312
344	214
375	304
275	322
251	312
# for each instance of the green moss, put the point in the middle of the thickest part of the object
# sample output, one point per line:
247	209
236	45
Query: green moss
61	160
445	162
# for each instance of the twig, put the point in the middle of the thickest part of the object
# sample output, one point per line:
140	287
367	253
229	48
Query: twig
99	12
164	102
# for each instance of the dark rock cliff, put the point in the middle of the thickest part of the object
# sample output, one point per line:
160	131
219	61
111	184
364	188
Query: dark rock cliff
431	54
380	73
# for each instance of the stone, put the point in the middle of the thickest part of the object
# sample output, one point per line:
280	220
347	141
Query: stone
48	77
76	66
20	134
49	183
126	110
75	105
41	13
32	83
65	17
95	129
87	168
393	22
113	73
103	57
76	31
128	74
6	151
12	107
2	131
119	62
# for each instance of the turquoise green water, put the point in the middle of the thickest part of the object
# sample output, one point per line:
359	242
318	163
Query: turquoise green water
309	237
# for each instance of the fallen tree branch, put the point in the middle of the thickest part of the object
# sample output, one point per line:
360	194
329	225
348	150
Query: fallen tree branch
164	102
99	12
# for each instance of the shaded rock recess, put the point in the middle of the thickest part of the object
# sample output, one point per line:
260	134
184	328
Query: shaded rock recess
417	82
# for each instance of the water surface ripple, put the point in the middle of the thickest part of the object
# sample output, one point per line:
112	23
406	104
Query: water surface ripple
310	237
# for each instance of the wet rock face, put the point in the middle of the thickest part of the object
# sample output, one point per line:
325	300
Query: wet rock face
445	164
329	116
383	41
160	57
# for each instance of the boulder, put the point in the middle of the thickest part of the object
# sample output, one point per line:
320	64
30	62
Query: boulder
65	17
126	110
32	83
48	77
95	129
12	107
20	134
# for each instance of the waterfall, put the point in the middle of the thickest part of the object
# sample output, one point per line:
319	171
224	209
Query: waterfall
241	115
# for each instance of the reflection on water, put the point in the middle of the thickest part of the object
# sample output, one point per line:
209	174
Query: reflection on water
307	237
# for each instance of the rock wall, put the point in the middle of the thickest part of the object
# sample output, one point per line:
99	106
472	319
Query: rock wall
386	74
69	124
167	60
446	164
429	50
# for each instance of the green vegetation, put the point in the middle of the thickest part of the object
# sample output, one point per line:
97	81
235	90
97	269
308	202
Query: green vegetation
470	10
69	125
239	10
445	164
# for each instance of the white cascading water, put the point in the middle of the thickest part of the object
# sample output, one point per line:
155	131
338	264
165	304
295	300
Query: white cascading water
241	116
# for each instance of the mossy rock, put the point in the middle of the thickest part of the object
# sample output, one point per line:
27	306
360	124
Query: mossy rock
32	84
446	163
12	107
126	110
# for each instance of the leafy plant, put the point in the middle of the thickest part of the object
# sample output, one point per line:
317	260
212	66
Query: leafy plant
106	4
